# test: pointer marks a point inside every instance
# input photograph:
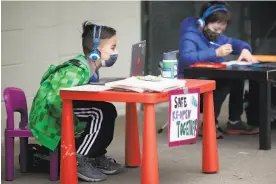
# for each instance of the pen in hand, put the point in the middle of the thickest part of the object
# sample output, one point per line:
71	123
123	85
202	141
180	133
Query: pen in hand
218	45
223	50
213	43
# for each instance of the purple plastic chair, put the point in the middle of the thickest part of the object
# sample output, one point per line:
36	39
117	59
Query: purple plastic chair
15	101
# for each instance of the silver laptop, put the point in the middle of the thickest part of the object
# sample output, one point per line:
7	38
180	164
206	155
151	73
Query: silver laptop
138	56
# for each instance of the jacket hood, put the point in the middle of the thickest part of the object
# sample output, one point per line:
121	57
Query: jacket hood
189	25
78	61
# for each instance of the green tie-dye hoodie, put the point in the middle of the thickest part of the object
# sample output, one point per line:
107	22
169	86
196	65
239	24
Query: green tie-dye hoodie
46	112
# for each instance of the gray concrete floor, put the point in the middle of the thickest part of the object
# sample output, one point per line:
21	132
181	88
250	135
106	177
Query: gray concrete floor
240	160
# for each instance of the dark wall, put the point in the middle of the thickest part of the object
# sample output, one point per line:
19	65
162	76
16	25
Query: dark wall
263	27
263	15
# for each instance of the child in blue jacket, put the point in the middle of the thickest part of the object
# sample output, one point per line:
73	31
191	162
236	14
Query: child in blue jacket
201	40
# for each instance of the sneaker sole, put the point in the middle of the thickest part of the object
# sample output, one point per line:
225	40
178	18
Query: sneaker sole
112	172
241	132
90	179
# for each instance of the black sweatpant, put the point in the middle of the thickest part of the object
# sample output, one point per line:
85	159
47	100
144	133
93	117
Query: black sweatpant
236	89
98	134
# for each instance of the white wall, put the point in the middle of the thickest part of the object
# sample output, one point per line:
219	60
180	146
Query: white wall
37	34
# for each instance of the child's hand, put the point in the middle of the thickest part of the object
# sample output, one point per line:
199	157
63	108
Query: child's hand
224	50
247	56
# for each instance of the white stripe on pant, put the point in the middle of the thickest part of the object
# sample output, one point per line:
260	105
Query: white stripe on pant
96	123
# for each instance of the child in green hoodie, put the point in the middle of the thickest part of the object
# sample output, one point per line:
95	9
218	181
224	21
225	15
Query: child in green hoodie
94	121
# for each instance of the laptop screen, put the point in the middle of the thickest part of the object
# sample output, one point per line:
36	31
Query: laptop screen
138	56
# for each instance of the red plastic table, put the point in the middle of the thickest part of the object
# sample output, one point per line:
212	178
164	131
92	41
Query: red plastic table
210	163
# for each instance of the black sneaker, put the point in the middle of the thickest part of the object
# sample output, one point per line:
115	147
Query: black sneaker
107	165
87	172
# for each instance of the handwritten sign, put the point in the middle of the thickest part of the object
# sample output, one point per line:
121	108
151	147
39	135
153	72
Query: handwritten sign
184	110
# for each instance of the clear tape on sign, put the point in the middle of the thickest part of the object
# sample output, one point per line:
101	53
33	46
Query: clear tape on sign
185	90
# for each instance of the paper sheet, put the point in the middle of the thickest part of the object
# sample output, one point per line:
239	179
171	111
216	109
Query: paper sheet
229	63
88	88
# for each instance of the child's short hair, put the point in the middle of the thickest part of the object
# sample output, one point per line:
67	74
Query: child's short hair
219	16
87	35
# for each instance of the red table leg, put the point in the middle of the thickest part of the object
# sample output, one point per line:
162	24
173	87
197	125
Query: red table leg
210	160
149	158
132	145
68	170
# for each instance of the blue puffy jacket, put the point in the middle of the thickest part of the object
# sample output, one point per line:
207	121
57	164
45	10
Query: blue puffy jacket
194	47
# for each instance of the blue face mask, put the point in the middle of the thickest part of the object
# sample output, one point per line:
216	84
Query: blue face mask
111	61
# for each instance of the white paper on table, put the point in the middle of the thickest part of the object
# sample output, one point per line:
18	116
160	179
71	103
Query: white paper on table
242	63
88	88
154	84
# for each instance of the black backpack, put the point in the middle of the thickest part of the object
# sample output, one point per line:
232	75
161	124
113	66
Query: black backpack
38	159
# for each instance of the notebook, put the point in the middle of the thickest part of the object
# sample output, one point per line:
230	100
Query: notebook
147	83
